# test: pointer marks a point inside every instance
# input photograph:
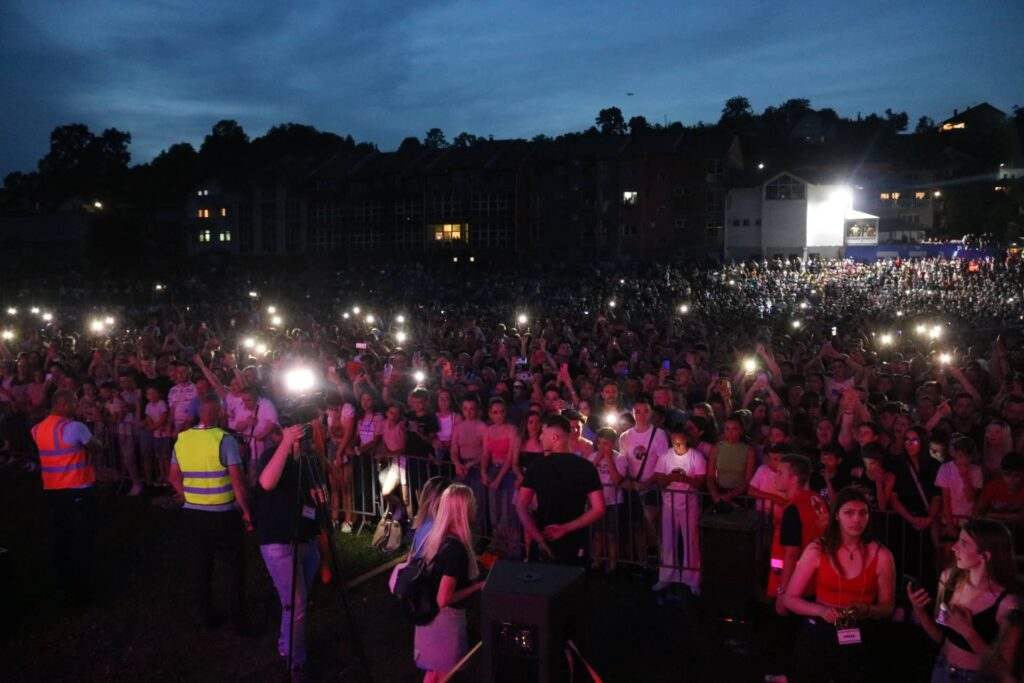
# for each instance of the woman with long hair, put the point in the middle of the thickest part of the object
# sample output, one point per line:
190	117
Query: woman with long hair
974	604
854	579
448	550
501	448
426	511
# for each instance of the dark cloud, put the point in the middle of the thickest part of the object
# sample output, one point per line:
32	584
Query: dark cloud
166	71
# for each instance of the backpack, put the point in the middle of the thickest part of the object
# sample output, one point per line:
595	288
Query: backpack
415	585
387	537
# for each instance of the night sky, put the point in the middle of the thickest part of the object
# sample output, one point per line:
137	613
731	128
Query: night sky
166	71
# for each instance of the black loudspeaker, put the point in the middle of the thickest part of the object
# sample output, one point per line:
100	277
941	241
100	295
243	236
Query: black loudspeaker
529	611
733	559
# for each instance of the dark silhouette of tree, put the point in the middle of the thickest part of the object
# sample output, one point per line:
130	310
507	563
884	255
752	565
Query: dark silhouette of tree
81	164
465	139
224	152
434	139
610	121
924	125
638	125
897	120
736	110
541	138
409	144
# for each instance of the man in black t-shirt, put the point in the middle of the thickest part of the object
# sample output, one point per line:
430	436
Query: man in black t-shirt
564	484
279	518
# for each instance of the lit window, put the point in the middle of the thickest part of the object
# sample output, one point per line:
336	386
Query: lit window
225	236
884	196
199	213
954	126
919	195
204	235
895	195
223	211
199	193
450	232
630	197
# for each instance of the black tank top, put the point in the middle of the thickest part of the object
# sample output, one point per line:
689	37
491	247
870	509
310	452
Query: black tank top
984	623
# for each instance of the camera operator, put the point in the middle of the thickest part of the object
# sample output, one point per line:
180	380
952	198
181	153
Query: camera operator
283	519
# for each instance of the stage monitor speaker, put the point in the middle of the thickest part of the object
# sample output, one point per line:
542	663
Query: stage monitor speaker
529	611
733	558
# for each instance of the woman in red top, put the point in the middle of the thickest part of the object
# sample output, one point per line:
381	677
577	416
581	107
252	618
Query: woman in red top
855	584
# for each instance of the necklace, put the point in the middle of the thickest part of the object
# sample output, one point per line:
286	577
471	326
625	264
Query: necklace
849	550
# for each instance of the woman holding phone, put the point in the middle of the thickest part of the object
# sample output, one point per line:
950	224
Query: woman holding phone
974	606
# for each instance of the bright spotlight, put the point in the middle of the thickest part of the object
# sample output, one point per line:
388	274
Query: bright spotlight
843	196
419	376
299	380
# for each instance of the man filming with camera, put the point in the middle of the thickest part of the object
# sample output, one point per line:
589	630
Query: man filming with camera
286	526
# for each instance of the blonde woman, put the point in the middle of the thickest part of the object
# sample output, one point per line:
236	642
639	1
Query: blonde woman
448	550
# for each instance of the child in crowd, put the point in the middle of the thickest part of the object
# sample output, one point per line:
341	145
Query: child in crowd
681	474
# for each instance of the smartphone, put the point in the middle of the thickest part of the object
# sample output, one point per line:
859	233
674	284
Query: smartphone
666	364
361	346
914	584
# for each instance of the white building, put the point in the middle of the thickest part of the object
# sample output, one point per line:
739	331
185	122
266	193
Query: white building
789	216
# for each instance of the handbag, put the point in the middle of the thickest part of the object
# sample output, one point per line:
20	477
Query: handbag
415	586
387	537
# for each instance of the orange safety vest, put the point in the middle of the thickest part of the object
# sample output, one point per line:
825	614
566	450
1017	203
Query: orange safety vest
807	504
63	466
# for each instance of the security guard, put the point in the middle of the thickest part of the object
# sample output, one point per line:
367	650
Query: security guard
206	468
68	478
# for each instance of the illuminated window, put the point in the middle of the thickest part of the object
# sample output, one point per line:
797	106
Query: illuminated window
204	235
630	197
919	195
884	196
450	232
199	193
895	195
954	126
199	213
225	236
223	211
203	213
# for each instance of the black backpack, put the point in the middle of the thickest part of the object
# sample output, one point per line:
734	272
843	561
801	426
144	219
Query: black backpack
416	587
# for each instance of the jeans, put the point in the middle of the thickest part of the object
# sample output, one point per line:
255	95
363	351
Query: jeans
483	528
278	558
942	672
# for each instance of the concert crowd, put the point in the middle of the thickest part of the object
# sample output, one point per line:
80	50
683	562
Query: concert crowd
868	417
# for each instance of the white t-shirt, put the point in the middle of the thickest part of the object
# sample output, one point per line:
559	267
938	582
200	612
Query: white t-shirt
948	477
155	412
633	447
692	464
612	494
234	404
182	400
764	479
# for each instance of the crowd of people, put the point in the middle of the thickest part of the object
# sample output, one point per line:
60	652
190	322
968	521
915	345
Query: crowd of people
869	416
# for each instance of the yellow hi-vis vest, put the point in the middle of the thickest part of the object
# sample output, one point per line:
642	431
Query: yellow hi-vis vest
206	480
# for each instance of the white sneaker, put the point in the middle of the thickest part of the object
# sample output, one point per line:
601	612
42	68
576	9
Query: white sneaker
346	528
660	586
136	489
